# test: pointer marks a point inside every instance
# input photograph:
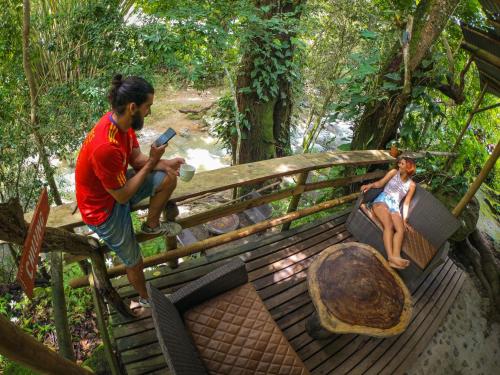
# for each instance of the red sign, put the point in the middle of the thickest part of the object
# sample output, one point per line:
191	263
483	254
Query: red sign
32	245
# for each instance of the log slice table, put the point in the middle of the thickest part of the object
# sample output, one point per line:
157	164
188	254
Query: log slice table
354	290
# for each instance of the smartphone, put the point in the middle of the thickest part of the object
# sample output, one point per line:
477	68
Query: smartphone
165	137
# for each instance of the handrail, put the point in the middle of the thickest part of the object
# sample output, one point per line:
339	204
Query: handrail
237	176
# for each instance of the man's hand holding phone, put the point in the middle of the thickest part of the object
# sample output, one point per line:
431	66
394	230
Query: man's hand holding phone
165	137
156	152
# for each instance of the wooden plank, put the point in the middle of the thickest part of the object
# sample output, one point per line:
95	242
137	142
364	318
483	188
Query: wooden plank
286	267
343	181
145	366
167	284
274	253
246	255
162	371
291	305
434	316
133	328
428	334
424	305
130	342
434	279
323	354
290	324
142	352
239	175
260	267
267	239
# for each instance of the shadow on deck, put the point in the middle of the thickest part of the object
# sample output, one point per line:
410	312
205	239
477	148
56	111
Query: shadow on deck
277	266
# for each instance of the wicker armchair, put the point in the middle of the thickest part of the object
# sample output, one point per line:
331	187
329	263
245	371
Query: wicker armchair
426	245
218	324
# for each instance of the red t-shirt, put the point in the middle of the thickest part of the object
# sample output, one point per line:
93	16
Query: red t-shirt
102	164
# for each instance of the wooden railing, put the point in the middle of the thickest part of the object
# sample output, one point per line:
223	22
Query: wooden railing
237	176
67	217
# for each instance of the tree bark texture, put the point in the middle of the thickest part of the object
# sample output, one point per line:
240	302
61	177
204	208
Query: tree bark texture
59	306
33	88
13	229
267	134
381	118
20	347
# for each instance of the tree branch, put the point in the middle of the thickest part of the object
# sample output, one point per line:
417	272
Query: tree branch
14	229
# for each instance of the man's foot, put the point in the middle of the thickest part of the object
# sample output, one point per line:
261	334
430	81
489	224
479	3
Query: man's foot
400	262
169	228
144	302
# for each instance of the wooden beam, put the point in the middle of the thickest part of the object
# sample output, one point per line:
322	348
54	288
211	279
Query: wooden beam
224	238
20	347
482	54
477	182
343	181
294	203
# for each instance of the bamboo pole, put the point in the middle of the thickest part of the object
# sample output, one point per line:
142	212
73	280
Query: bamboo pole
477	182
223	239
294	203
450	159
103	329
20	347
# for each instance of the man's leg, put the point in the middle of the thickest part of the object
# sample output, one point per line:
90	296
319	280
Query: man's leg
136	278
159	200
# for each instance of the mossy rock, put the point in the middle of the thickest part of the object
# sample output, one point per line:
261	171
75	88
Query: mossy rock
468	218
98	362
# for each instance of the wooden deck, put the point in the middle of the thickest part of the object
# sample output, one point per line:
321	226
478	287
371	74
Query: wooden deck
277	266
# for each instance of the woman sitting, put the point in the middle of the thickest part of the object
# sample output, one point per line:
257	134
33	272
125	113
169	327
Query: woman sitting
397	184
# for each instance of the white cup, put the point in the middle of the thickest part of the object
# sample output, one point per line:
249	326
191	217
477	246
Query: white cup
186	172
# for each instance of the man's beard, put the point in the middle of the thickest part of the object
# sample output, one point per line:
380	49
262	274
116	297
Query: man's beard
137	121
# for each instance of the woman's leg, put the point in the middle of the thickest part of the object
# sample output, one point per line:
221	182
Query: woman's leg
382	213
399	228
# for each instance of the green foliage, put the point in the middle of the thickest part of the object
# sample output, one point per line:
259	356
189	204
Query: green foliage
14	368
224	128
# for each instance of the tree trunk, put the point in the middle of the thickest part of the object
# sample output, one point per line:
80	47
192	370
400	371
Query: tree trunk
59	306
13	229
49	173
381	118
267	134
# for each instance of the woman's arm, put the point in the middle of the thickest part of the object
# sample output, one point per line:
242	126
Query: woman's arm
380	183
406	204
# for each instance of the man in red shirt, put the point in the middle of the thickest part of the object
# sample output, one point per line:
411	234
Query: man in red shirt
106	189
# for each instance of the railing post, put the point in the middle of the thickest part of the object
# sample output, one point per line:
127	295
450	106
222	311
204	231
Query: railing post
170	213
294	203
477	182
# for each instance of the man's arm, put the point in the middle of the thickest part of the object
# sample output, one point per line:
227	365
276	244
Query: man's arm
138	160
128	190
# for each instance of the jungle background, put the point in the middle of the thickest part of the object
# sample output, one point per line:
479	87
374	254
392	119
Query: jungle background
260	79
